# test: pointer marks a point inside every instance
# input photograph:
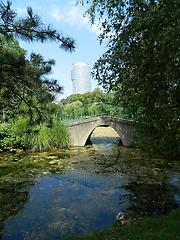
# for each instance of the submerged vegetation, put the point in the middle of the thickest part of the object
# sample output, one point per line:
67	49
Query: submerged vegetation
89	172
151	228
18	172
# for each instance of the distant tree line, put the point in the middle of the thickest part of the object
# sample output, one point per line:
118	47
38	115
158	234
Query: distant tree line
89	104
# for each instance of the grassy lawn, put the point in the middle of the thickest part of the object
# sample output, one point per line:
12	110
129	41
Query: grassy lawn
151	228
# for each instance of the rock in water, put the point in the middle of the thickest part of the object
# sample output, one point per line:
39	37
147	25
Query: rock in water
120	217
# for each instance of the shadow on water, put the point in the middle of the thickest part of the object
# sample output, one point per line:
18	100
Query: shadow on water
150	199
13	196
97	184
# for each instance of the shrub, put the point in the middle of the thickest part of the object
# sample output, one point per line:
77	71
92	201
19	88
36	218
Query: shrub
8	139
41	137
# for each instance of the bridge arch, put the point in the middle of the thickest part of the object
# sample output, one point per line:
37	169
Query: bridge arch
89	140
79	132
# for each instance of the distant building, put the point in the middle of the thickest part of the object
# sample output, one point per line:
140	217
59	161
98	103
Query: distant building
81	77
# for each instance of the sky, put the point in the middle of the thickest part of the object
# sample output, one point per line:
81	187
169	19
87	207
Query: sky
67	18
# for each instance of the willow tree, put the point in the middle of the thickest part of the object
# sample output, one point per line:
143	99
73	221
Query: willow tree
142	64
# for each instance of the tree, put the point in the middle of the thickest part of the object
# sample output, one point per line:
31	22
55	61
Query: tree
91	104
142	64
30	28
24	85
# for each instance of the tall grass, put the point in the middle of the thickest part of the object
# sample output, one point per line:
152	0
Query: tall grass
59	135
41	137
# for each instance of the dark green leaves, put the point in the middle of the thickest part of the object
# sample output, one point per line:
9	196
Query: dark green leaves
142	63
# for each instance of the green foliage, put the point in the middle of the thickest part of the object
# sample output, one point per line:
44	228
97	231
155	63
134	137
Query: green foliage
10	46
37	137
43	137
142	64
24	87
30	28
93	103
96	95
8	139
59	135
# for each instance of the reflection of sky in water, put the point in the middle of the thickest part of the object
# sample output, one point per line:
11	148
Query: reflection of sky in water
104	138
99	144
73	202
175	182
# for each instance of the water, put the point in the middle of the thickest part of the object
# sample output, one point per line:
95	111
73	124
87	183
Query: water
87	194
61	205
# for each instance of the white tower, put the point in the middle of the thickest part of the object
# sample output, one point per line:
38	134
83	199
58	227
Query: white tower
81	77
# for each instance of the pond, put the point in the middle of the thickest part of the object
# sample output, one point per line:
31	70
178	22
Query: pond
61	193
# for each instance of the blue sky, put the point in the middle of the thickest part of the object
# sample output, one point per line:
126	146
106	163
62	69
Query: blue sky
66	17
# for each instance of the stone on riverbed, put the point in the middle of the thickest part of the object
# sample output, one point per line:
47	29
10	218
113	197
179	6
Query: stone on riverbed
120	217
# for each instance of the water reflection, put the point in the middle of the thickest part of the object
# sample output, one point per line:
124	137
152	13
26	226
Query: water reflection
150	199
13	196
104	138
87	195
175	183
71	203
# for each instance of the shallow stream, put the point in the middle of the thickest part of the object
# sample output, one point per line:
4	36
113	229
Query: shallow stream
61	193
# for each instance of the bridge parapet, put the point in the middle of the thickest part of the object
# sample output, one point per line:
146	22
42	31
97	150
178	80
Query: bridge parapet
83	121
79	132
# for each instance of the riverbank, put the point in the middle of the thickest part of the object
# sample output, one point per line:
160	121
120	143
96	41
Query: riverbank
68	192
149	228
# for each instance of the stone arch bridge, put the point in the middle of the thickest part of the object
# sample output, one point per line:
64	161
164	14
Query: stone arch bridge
80	132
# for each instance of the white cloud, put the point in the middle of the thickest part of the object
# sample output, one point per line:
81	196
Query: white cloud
96	28
74	16
56	15
21	11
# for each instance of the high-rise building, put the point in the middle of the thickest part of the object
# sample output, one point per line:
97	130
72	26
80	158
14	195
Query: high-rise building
81	77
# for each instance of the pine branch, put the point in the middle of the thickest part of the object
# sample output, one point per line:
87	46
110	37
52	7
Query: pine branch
30	28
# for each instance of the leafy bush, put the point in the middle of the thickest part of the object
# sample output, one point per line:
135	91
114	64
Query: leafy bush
167	143
39	139
8	139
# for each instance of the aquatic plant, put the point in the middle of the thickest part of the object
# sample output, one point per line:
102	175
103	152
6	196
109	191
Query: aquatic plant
37	137
46	137
59	135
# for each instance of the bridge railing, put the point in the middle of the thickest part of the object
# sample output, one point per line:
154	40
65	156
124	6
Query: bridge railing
72	122
74	118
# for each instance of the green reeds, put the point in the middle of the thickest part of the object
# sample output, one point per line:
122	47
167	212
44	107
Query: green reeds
41	137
